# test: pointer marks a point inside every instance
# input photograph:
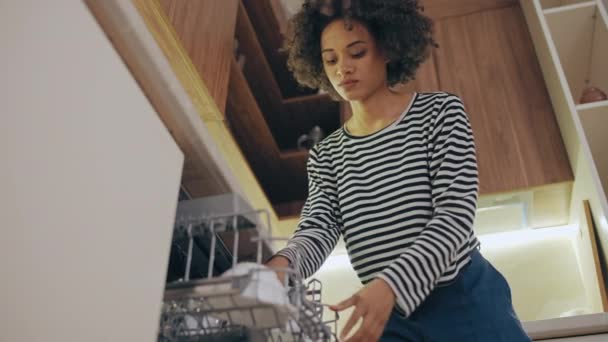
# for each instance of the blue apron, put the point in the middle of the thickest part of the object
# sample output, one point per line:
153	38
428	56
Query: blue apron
475	307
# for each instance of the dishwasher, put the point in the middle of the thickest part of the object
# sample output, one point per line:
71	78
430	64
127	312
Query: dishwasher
218	289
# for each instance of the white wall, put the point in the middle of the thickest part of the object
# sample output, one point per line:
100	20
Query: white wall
542	269
88	183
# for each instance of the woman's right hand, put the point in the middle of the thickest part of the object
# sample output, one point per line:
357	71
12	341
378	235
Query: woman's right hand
278	261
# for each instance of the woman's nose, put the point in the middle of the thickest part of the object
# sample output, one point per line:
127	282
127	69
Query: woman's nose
345	69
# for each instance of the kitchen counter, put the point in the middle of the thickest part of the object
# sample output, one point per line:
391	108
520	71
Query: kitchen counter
568	326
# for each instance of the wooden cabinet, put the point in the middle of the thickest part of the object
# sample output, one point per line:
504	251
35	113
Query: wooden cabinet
206	30
488	59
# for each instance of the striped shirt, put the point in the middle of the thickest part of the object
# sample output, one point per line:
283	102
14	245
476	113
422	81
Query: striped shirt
404	199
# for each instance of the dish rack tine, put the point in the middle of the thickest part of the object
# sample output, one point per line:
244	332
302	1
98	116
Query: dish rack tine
189	256
277	319
229	314
291	329
259	251
211	250
206	320
235	247
252	317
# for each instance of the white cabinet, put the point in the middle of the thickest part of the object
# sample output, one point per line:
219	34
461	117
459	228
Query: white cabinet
571	42
582	51
89	179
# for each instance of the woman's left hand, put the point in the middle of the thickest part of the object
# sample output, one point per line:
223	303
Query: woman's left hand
374	304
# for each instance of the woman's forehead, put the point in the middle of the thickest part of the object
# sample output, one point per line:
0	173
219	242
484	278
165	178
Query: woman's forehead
337	35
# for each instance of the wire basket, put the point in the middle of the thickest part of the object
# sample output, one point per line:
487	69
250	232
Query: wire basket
246	305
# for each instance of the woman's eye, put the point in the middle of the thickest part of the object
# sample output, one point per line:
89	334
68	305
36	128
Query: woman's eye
359	54
330	62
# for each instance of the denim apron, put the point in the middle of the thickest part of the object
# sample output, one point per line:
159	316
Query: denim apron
474	307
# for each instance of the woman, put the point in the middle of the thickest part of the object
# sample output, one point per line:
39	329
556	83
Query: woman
398	181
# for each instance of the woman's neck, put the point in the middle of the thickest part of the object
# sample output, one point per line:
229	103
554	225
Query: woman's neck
377	111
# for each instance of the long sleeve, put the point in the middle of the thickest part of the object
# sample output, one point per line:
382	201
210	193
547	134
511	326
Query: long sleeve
318	230
446	236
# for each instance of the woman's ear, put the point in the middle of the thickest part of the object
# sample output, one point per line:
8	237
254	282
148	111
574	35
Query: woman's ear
385	56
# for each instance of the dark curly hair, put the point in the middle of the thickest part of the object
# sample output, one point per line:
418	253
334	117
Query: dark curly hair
401	31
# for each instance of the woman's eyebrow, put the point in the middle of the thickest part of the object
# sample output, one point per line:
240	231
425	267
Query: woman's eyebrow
349	45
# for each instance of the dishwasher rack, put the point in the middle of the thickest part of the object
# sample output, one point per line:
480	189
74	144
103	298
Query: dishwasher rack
236	307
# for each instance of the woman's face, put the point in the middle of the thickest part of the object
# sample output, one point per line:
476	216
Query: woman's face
352	61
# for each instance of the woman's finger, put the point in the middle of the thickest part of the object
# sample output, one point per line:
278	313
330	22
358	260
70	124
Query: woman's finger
345	303
366	332
352	320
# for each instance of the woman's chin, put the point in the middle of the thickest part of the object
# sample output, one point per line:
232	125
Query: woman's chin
353	95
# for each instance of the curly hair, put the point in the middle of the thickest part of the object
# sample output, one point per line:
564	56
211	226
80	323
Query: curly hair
401	31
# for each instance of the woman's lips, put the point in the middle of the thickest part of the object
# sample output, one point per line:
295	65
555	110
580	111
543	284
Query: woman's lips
348	84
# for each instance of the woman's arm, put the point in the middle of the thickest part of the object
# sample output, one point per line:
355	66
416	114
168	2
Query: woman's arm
454	180
278	262
318	230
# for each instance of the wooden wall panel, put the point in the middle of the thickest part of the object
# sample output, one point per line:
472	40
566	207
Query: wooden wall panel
542	148
439	9
426	78
488	60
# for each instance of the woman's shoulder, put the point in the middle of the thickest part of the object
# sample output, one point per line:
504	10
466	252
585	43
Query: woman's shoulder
439	95
443	102
328	144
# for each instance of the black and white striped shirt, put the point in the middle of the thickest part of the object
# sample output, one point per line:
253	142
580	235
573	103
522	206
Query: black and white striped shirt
404	199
